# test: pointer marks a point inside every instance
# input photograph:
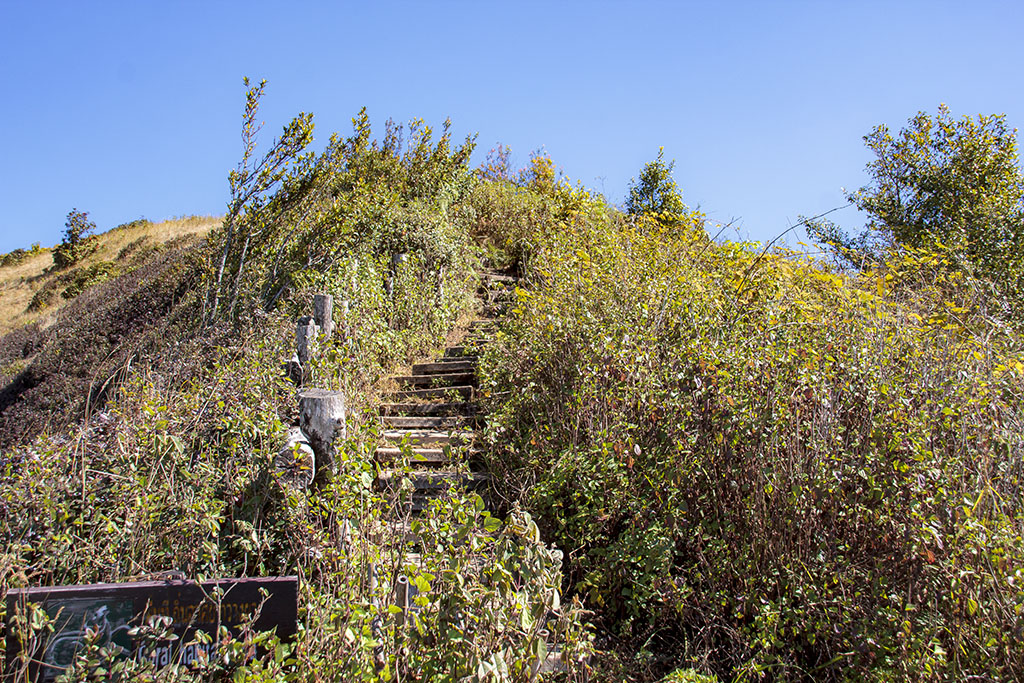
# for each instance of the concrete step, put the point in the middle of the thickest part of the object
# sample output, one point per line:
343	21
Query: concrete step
465	391
409	408
427	436
445	366
439	379
445	422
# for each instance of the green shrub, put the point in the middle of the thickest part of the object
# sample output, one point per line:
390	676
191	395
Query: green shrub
44	297
83	278
13	258
77	242
764	465
137	223
134	247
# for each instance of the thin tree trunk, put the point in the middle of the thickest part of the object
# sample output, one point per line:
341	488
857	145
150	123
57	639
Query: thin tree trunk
238	275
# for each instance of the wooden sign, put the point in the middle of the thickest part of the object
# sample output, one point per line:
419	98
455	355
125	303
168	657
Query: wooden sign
115	608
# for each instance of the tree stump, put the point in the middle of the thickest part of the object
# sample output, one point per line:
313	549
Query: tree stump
322	419
323	313
306	332
295	463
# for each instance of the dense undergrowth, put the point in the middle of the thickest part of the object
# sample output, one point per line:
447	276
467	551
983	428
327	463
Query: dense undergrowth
758	465
184	406
755	465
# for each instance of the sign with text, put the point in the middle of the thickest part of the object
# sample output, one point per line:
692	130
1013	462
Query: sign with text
113	610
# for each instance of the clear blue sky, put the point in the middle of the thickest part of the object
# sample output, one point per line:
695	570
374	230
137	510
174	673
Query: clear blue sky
133	109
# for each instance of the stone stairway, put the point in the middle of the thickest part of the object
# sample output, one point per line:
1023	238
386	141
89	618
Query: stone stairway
431	419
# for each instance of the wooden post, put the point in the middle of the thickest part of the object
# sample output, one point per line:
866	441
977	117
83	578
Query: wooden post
322	419
389	281
305	338
296	462
344	328
323	313
402	590
293	370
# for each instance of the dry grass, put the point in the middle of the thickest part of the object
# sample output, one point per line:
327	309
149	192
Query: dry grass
20	282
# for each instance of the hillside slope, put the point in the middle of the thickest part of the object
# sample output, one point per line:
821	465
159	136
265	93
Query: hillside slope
31	288
145	432
746	463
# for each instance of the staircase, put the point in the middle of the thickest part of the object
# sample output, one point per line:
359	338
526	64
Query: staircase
430	428
432	418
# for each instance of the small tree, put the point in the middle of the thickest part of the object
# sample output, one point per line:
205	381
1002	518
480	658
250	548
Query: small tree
656	192
78	240
954	182
252	185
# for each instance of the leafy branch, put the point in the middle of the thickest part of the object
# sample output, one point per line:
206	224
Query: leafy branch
251	184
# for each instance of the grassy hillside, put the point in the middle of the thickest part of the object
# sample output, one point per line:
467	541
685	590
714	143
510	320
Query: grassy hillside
23	277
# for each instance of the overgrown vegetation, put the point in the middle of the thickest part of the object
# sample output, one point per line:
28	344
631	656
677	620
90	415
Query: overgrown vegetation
758	465
755	464
171	469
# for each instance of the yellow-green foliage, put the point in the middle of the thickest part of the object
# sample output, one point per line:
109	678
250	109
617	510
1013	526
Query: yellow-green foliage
764	466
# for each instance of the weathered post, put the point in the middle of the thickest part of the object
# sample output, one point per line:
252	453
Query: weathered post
293	370
295	464
402	598
343	328
322	419
323	313
306	332
389	281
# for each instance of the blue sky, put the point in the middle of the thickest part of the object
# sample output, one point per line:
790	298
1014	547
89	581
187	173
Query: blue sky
133	109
